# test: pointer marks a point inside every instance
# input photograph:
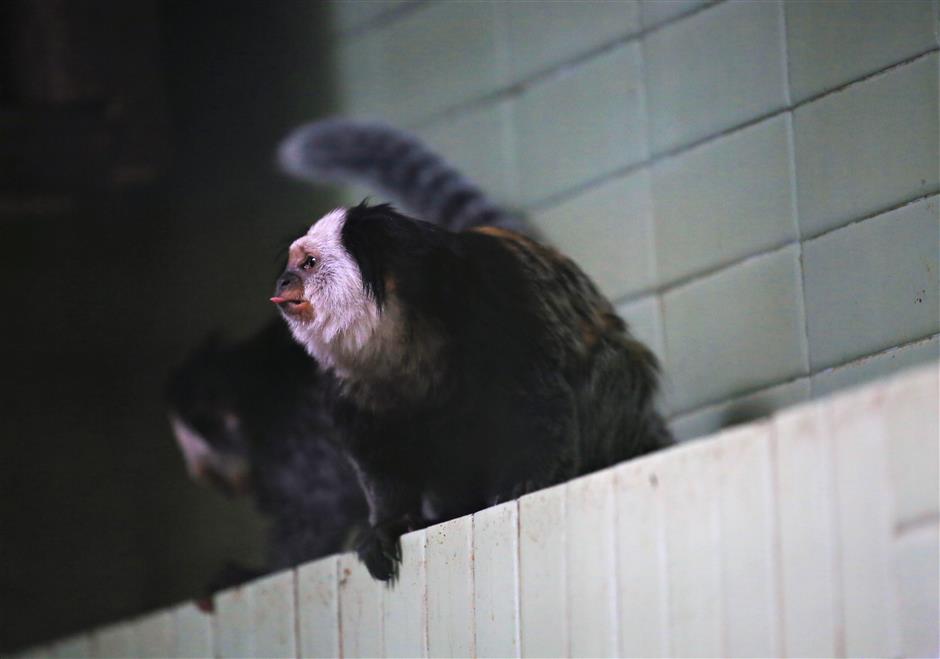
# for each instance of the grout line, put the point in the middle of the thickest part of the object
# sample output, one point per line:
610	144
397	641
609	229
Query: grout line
296	580
580	188
665	288
881	211
381	20
858	361
847	364
553	71
836	550
777	542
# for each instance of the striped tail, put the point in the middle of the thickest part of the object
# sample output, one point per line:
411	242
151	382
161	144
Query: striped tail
394	164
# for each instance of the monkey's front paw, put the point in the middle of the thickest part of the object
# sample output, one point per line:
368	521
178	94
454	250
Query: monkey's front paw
380	551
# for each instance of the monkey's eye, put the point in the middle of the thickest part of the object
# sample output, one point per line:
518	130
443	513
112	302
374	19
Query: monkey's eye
308	263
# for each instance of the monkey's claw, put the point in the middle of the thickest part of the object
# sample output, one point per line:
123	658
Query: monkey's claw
380	550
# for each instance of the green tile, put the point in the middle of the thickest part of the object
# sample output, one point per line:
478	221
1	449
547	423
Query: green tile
441	56
736	331
715	70
363	78
868	147
876	367
873	285
832	43
655	12
608	232
578	126
725	200
713	418
479	143
544	34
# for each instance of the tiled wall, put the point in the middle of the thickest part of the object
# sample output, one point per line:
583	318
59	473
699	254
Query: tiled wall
753	183
813	533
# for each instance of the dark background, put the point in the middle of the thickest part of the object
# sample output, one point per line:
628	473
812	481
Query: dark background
139	209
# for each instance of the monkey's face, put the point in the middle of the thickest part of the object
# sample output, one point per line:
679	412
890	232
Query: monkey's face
224	469
206	423
331	311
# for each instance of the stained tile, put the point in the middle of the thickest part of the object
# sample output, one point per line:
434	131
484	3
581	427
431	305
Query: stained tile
592	594
496	580
873	285
868	147
449	557
542	590
405	604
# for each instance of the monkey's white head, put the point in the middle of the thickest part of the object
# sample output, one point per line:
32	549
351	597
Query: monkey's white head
332	310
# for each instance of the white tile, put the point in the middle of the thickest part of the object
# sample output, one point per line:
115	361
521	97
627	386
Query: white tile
608	231
477	142
233	620
575	127
724	200
863	519
641	559
318	608
912	408
868	147
748	529
449	557
155	635
656	12
689	489
592	588
543	611
360	609
832	43
274	616
74	647
113	642
193	632
808	544
496	580
544	34
917	574
405	606
715	70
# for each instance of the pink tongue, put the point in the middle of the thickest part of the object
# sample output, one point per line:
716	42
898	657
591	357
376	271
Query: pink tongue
278	299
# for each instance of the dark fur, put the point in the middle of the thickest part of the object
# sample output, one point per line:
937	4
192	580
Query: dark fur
300	479
535	380
301	483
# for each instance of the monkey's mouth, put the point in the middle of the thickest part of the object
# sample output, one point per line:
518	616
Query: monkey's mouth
291	305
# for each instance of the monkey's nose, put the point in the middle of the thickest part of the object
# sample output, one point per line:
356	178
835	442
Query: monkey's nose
287	280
